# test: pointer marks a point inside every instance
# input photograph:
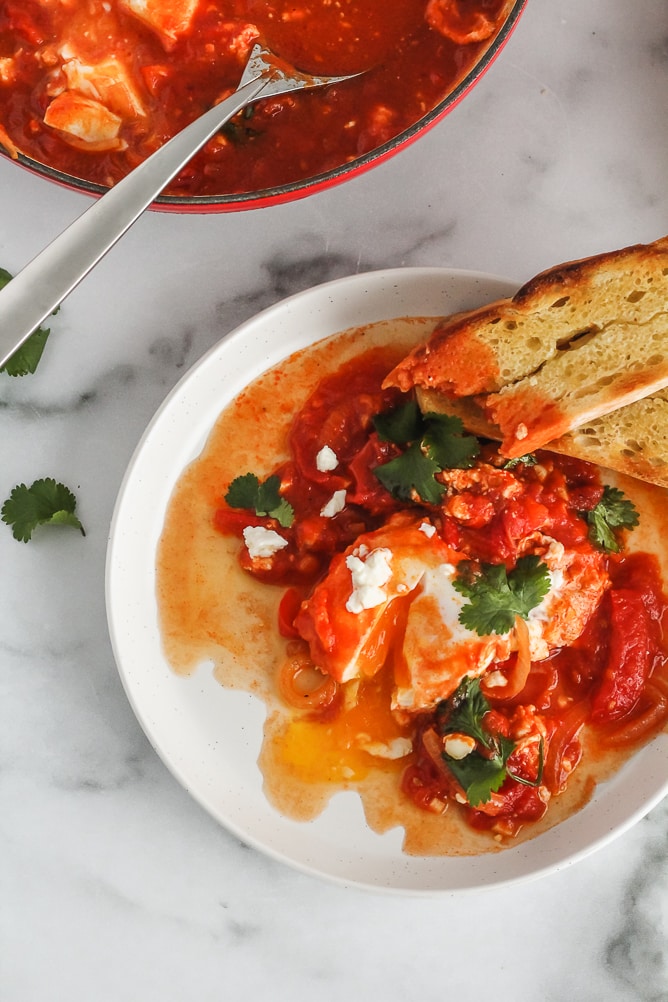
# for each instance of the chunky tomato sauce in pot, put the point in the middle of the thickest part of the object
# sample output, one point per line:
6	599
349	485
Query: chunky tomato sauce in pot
461	638
92	88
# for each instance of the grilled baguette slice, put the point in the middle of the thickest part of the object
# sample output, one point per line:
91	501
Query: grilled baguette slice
632	440
610	369
485	349
575	343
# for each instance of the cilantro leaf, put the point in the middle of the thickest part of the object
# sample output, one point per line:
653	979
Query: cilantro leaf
464	711
479	773
446	442
401	425
411	473
45	502
247	491
497	596
614	511
435	442
270	502
480	777
242	492
25	359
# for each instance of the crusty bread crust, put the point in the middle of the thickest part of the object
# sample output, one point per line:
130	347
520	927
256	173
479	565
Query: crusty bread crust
485	349
580	346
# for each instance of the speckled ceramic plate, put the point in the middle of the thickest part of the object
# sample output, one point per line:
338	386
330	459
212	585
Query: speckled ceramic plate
210	737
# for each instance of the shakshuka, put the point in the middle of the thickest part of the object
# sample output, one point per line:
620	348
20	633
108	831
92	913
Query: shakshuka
471	643
92	88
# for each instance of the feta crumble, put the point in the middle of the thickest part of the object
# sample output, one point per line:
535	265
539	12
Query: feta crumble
336	503
326	460
458	746
368	577
394	749
261	542
428	529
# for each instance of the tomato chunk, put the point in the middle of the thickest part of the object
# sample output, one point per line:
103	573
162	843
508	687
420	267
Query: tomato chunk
629	659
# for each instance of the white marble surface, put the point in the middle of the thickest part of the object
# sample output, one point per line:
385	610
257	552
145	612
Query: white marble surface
115	885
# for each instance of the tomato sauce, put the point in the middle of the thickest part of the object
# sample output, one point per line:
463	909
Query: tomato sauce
160	79
581	709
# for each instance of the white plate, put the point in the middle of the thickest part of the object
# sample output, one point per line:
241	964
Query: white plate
210	737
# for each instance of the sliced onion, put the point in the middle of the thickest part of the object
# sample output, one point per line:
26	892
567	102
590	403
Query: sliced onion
554	775
518	674
645	723
302	684
434	749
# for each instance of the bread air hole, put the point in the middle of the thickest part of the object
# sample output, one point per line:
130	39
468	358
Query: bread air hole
656	360
558	303
590	435
534	343
586	391
635	297
578	340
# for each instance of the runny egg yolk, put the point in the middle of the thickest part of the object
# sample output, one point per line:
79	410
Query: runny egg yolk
362	734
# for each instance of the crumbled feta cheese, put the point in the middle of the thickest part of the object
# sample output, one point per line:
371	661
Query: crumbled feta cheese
368	578
326	460
495	679
428	529
394	749
336	503
458	746
262	542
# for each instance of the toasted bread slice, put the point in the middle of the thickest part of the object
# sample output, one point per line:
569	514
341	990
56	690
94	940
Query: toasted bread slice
632	440
575	343
597	374
485	349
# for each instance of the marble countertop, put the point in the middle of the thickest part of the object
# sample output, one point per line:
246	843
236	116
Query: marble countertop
115	884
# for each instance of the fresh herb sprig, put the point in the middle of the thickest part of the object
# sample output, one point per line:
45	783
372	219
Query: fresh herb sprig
496	596
613	511
482	772
45	502
264	498
431	442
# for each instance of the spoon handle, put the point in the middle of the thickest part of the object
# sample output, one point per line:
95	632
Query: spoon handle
41	286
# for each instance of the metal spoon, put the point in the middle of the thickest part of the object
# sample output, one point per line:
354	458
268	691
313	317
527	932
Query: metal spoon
41	286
